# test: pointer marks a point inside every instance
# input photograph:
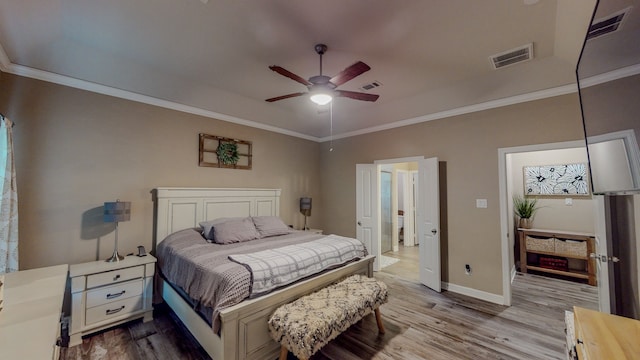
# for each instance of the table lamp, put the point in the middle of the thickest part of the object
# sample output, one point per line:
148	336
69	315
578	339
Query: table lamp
116	212
305	209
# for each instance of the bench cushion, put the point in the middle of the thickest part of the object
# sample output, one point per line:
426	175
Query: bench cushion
307	324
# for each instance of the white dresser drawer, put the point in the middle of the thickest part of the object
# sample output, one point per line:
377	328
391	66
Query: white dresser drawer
115	276
113	310
105	295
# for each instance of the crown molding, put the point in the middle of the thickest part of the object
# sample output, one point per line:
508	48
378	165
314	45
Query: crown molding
610	76
536	95
128	95
8	67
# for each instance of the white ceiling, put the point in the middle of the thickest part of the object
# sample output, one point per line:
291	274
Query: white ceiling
430	56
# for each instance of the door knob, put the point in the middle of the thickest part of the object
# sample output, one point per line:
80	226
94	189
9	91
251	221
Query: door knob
359	223
434	231
604	258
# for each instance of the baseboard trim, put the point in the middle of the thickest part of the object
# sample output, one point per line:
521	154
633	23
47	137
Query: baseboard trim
474	293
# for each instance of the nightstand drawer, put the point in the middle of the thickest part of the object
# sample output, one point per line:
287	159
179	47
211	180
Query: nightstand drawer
113	310
115	276
113	293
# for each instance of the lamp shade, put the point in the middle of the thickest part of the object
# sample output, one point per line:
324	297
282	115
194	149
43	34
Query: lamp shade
117	211
305	206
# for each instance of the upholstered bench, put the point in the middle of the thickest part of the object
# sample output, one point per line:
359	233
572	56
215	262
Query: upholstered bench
307	324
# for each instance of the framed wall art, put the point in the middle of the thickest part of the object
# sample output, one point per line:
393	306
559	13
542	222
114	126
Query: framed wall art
556	180
222	152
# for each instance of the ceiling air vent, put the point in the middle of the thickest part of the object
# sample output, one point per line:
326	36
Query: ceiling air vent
371	85
513	56
607	25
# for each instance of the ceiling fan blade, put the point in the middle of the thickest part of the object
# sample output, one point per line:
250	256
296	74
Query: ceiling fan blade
285	96
357	95
284	72
349	73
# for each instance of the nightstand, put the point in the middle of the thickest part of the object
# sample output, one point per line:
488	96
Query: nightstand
315	231
106	294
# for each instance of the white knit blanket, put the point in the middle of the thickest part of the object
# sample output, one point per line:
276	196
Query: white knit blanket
274	268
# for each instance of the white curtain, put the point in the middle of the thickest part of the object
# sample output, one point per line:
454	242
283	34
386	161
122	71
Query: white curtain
8	201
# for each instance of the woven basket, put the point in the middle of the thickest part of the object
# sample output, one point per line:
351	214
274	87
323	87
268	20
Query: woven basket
540	244
569	247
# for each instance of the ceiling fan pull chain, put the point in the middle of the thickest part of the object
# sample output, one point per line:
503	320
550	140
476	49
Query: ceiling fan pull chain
331	126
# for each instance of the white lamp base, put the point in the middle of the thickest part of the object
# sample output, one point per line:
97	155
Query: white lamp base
115	257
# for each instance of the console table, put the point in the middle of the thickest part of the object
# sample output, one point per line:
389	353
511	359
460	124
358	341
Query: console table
30	319
560	244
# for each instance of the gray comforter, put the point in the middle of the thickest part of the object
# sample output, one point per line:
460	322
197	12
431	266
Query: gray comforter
204	271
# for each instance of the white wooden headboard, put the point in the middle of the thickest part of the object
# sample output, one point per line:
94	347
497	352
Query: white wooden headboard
182	208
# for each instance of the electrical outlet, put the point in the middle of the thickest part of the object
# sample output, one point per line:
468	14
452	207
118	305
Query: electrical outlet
467	269
568	201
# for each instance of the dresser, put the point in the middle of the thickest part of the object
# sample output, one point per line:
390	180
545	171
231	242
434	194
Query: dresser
106	294
599	335
30	318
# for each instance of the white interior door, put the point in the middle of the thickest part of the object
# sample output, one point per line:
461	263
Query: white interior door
368	209
410	233
428	222
602	268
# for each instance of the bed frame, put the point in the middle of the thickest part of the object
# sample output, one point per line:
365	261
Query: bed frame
244	332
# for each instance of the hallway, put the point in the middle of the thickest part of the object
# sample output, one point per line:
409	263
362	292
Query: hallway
407	267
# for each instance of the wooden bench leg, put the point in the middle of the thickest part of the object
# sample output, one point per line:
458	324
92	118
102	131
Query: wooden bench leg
379	321
283	352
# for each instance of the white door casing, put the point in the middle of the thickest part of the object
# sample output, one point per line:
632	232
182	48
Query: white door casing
602	269
368	209
428	222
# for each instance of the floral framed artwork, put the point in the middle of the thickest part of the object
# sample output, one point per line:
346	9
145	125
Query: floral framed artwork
556	180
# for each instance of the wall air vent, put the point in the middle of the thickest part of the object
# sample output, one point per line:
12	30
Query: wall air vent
607	25
371	85
513	56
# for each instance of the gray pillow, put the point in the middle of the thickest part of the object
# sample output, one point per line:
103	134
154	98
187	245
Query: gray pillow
232	230
207	227
270	226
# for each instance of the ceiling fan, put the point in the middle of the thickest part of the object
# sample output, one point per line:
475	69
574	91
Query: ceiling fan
323	88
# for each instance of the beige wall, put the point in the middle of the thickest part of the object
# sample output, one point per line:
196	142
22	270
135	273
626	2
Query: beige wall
76	149
468	146
553	212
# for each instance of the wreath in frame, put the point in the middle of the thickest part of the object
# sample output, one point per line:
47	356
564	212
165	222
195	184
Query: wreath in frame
227	153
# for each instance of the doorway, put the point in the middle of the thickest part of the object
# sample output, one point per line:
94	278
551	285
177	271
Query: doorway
426	209
554	208
399	255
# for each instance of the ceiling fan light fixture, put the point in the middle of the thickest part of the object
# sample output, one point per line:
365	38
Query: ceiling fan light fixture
321	98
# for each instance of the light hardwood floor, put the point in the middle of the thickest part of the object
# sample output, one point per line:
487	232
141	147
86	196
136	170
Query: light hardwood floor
420	324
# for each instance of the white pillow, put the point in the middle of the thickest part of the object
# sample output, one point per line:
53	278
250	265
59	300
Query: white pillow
270	226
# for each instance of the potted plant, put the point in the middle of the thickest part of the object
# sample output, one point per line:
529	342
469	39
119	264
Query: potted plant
525	208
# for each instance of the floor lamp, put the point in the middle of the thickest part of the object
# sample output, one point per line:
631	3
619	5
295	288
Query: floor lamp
305	209
116	212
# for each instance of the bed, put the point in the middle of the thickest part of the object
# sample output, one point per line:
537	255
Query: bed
243	332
